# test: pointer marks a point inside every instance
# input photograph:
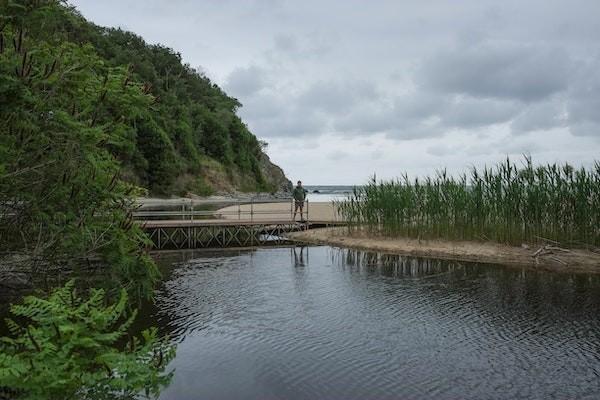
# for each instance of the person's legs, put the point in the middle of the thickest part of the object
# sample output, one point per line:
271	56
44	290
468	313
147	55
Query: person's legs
301	208
296	206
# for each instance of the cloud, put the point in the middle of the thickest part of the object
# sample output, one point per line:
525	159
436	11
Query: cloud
289	48
505	70
290	124
540	116
336	96
440	149
409	116
286	43
469	112
338	155
413	85
313	111
583	102
246	81
422	115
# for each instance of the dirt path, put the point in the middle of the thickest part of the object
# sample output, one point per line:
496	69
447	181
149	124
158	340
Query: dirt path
549	258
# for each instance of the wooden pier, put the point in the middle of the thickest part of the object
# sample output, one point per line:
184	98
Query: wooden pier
202	224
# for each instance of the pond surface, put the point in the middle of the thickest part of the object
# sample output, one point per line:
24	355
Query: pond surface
326	323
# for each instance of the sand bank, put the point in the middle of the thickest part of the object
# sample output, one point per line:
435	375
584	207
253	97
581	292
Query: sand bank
552	259
317	211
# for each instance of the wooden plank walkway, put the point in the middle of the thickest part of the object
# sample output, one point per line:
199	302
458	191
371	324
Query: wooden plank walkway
239	225
150	224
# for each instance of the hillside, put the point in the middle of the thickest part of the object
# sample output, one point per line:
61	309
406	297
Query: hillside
182	137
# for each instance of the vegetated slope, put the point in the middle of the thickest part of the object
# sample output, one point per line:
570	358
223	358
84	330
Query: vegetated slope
191	140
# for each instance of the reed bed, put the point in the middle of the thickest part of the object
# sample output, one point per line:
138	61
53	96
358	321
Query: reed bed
508	203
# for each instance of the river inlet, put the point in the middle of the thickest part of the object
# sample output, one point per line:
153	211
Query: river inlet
329	323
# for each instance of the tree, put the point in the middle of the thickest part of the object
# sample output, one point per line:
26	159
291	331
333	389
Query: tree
65	115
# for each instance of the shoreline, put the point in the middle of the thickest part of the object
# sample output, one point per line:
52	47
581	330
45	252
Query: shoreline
552	259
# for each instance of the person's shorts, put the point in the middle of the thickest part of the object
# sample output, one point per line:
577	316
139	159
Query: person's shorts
299	203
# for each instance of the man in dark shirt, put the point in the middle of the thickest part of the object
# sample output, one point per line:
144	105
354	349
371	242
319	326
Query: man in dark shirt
299	195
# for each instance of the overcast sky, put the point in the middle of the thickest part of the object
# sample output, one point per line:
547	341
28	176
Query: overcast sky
344	89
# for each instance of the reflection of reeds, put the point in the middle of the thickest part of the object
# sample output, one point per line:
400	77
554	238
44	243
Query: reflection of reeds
506	204
393	265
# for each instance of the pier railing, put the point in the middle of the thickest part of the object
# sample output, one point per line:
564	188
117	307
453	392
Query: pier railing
252	209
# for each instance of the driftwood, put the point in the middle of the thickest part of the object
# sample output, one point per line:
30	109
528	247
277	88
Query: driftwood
556	248
559	260
547	250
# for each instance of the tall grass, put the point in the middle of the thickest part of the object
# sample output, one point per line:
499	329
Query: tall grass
506	203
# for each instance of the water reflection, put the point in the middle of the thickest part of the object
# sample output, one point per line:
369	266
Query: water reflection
299	255
319	322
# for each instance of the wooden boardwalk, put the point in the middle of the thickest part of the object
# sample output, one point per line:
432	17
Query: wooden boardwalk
239	225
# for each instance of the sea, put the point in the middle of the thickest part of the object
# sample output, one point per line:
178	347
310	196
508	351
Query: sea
327	193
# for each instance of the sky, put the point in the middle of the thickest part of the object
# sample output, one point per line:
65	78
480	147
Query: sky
345	89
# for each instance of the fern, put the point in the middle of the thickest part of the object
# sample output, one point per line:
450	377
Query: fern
70	347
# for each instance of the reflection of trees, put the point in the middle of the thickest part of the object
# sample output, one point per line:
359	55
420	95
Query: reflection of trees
498	294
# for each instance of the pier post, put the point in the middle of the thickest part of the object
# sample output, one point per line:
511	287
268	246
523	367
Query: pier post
307	210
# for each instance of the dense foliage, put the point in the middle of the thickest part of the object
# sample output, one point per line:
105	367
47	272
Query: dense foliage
67	118
186	125
65	113
507	204
67	347
190	122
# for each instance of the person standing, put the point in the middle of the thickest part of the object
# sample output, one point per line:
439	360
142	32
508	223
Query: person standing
299	195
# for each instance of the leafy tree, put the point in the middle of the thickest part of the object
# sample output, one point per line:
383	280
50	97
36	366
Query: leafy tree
65	115
69	125
190	116
69	347
197	118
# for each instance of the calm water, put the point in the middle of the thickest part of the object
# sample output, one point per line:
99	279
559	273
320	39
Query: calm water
328	193
324	323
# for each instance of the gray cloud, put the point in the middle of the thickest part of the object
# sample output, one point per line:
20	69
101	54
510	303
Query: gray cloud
423	115
479	78
497	70
468	112
440	149
286	43
335	96
338	155
246	81
583	103
540	116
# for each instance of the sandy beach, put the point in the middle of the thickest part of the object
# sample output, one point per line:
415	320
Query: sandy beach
282	210
549	258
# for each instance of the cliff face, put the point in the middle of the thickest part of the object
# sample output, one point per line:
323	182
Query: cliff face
274	175
215	178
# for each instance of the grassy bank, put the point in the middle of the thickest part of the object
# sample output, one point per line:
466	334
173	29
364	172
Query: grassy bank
508	203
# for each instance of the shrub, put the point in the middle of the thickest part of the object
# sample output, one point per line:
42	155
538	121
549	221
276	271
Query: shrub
67	347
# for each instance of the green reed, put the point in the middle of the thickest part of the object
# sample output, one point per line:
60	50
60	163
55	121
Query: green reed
506	203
